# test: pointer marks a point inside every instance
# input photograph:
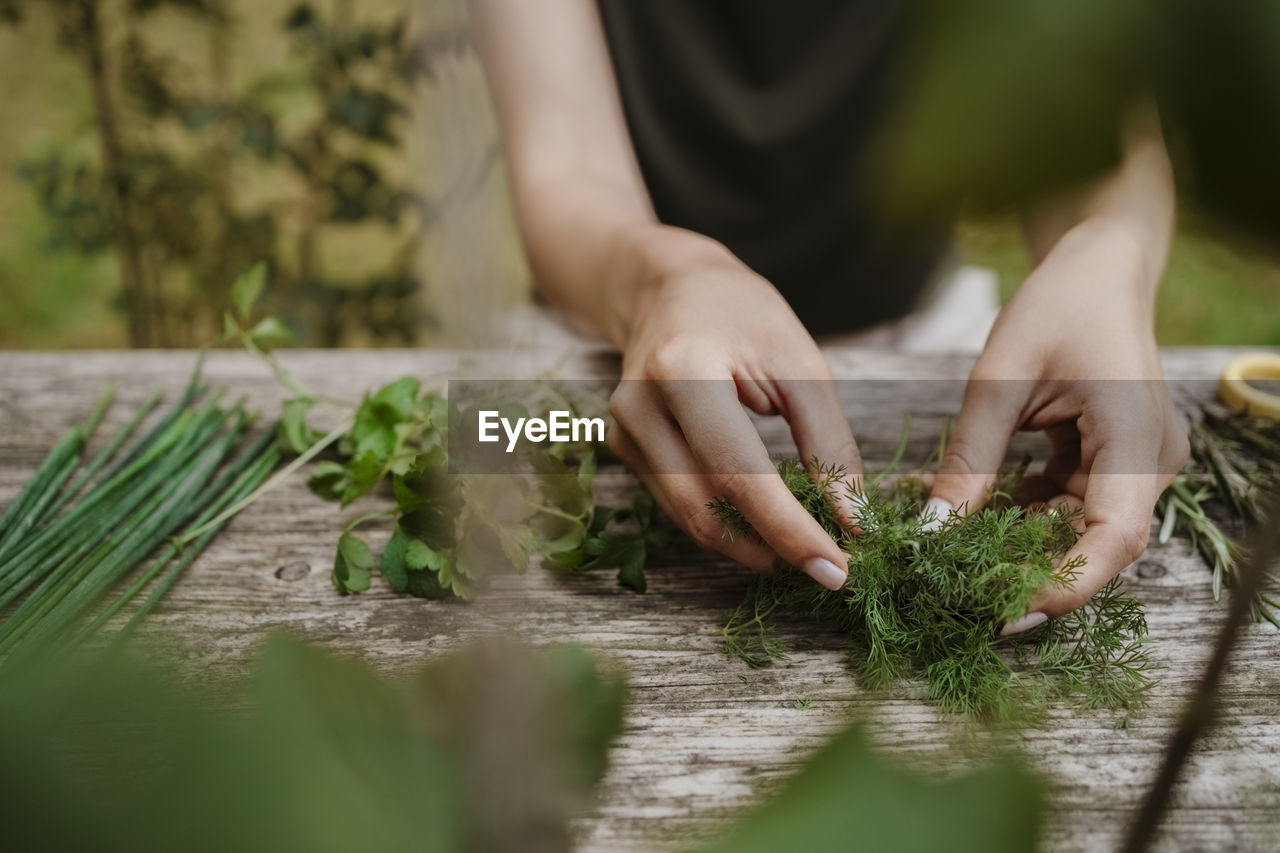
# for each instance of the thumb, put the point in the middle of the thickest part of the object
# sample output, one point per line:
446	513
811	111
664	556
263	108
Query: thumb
1119	499
988	418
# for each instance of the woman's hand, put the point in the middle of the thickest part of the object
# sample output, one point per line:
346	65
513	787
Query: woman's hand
1074	354
706	338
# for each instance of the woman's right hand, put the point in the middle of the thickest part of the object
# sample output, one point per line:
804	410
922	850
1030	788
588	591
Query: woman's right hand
706	337
701	334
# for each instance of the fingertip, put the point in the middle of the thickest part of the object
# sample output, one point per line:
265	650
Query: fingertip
825	572
1029	622
935	513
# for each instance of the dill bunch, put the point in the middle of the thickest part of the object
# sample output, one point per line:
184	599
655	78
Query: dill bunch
928	604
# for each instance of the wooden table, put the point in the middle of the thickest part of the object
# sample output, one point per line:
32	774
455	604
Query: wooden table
705	735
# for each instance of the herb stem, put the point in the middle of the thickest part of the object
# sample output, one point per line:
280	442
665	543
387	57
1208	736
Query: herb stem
280	476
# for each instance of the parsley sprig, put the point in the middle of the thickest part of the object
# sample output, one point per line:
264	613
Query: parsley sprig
453	531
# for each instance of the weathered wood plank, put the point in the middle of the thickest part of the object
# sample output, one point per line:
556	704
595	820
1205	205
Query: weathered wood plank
705	735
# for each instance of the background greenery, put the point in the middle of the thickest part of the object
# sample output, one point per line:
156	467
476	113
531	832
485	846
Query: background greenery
464	257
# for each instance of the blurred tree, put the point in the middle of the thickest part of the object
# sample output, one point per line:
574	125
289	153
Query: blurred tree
197	177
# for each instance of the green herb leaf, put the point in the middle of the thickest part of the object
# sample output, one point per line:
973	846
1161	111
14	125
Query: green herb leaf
426	585
374	429
928	604
419	555
352	564
624	552
230	328
363	473
849	792
329	480
247	289
269	333
394	567
295	434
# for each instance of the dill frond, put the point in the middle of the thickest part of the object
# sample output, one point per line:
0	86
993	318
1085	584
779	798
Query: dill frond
928	605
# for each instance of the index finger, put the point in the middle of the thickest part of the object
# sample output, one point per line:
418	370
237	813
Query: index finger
730	451
1118	503
823	437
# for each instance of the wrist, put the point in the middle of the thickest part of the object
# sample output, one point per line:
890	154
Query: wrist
644	261
1111	248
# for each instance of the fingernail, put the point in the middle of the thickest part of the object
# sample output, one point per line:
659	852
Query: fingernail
825	572
941	511
1026	623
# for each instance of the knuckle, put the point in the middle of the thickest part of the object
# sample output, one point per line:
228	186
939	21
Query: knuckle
731	478
625	402
1132	537
702	527
960	458
810	366
986	373
844	455
672	359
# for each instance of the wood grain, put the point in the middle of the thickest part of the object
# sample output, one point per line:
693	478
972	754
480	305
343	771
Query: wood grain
706	737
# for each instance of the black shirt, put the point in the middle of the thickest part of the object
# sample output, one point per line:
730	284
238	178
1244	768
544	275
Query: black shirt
752	120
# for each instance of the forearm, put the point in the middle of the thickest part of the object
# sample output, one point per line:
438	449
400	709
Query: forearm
593	241
597	254
1126	218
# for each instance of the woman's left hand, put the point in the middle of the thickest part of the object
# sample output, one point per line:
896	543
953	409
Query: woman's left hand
1073	354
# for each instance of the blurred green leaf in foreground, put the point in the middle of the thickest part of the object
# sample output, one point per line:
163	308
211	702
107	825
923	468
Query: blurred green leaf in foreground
850	798
493	748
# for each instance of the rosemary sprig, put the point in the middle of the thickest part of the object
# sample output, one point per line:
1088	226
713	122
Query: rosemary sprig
1235	464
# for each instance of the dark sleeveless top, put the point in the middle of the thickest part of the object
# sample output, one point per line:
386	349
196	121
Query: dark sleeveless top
752	120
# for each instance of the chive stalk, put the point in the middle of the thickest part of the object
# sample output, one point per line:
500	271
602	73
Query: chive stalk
40	484
75	533
107	452
120	546
256	476
66	596
254	465
67	540
34	501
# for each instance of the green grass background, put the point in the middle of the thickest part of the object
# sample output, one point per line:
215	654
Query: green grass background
1214	292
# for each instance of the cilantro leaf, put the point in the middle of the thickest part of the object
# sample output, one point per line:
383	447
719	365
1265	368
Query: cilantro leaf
329	480
394	566
352	564
434	525
625	552
631	566
363	473
419	555
426	585
374	428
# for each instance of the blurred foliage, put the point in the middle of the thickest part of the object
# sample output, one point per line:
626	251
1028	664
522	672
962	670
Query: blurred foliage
200	174
849	798
494	747
1001	101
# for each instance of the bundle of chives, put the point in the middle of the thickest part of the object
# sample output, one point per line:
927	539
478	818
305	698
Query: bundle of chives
66	544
